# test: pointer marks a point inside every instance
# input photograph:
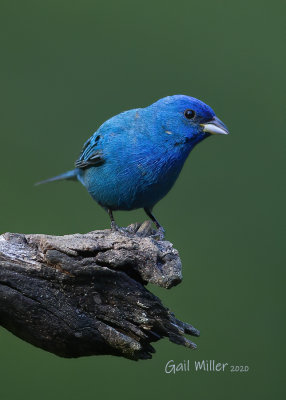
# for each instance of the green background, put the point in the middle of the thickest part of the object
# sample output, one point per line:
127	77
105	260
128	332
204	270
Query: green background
66	67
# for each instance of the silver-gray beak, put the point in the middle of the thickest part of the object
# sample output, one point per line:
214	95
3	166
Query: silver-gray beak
215	127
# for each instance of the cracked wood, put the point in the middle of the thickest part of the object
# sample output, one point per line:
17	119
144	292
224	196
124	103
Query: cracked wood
84	294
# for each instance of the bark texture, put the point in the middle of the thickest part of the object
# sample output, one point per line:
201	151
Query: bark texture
84	294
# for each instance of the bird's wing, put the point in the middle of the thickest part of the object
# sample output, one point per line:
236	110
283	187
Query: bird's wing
109	132
91	155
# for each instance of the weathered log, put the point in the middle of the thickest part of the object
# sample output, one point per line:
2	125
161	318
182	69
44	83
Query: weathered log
84	294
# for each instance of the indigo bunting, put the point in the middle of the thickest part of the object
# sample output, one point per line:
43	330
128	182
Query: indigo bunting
135	157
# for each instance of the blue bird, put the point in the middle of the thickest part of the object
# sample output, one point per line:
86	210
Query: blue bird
135	157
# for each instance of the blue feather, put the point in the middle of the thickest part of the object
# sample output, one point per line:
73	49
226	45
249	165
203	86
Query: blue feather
134	158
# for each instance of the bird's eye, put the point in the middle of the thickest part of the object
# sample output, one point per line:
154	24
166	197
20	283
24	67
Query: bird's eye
189	114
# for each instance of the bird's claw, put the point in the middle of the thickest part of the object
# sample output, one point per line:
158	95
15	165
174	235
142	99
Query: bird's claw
160	234
116	228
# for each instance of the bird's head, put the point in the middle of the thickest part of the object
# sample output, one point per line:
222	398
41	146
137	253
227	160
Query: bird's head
186	120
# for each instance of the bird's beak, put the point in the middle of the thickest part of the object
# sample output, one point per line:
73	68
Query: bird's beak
215	127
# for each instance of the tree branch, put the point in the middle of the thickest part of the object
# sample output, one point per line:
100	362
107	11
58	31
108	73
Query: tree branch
80	295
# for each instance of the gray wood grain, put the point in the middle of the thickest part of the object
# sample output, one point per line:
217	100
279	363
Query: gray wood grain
84	294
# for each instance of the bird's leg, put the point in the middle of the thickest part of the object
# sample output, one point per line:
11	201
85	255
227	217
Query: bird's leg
161	230
114	226
152	217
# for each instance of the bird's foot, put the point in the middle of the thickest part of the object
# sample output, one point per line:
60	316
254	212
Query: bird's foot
160	234
116	228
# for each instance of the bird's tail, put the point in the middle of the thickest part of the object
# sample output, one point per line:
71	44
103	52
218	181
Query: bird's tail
69	175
